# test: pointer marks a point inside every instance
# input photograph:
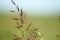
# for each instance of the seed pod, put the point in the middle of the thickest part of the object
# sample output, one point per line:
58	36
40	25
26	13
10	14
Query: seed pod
21	12
35	29
18	27
21	26
13	2
12	11
15	18
14	35
17	8
23	17
29	26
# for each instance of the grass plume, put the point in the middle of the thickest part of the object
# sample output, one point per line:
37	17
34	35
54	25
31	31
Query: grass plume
23	24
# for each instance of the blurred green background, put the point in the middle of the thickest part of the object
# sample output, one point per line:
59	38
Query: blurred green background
50	26
42	13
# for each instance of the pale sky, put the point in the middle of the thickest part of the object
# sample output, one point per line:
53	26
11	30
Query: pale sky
42	7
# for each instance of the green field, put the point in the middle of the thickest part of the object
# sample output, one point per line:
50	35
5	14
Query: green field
50	27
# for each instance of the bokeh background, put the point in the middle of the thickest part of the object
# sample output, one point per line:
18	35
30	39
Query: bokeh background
44	13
